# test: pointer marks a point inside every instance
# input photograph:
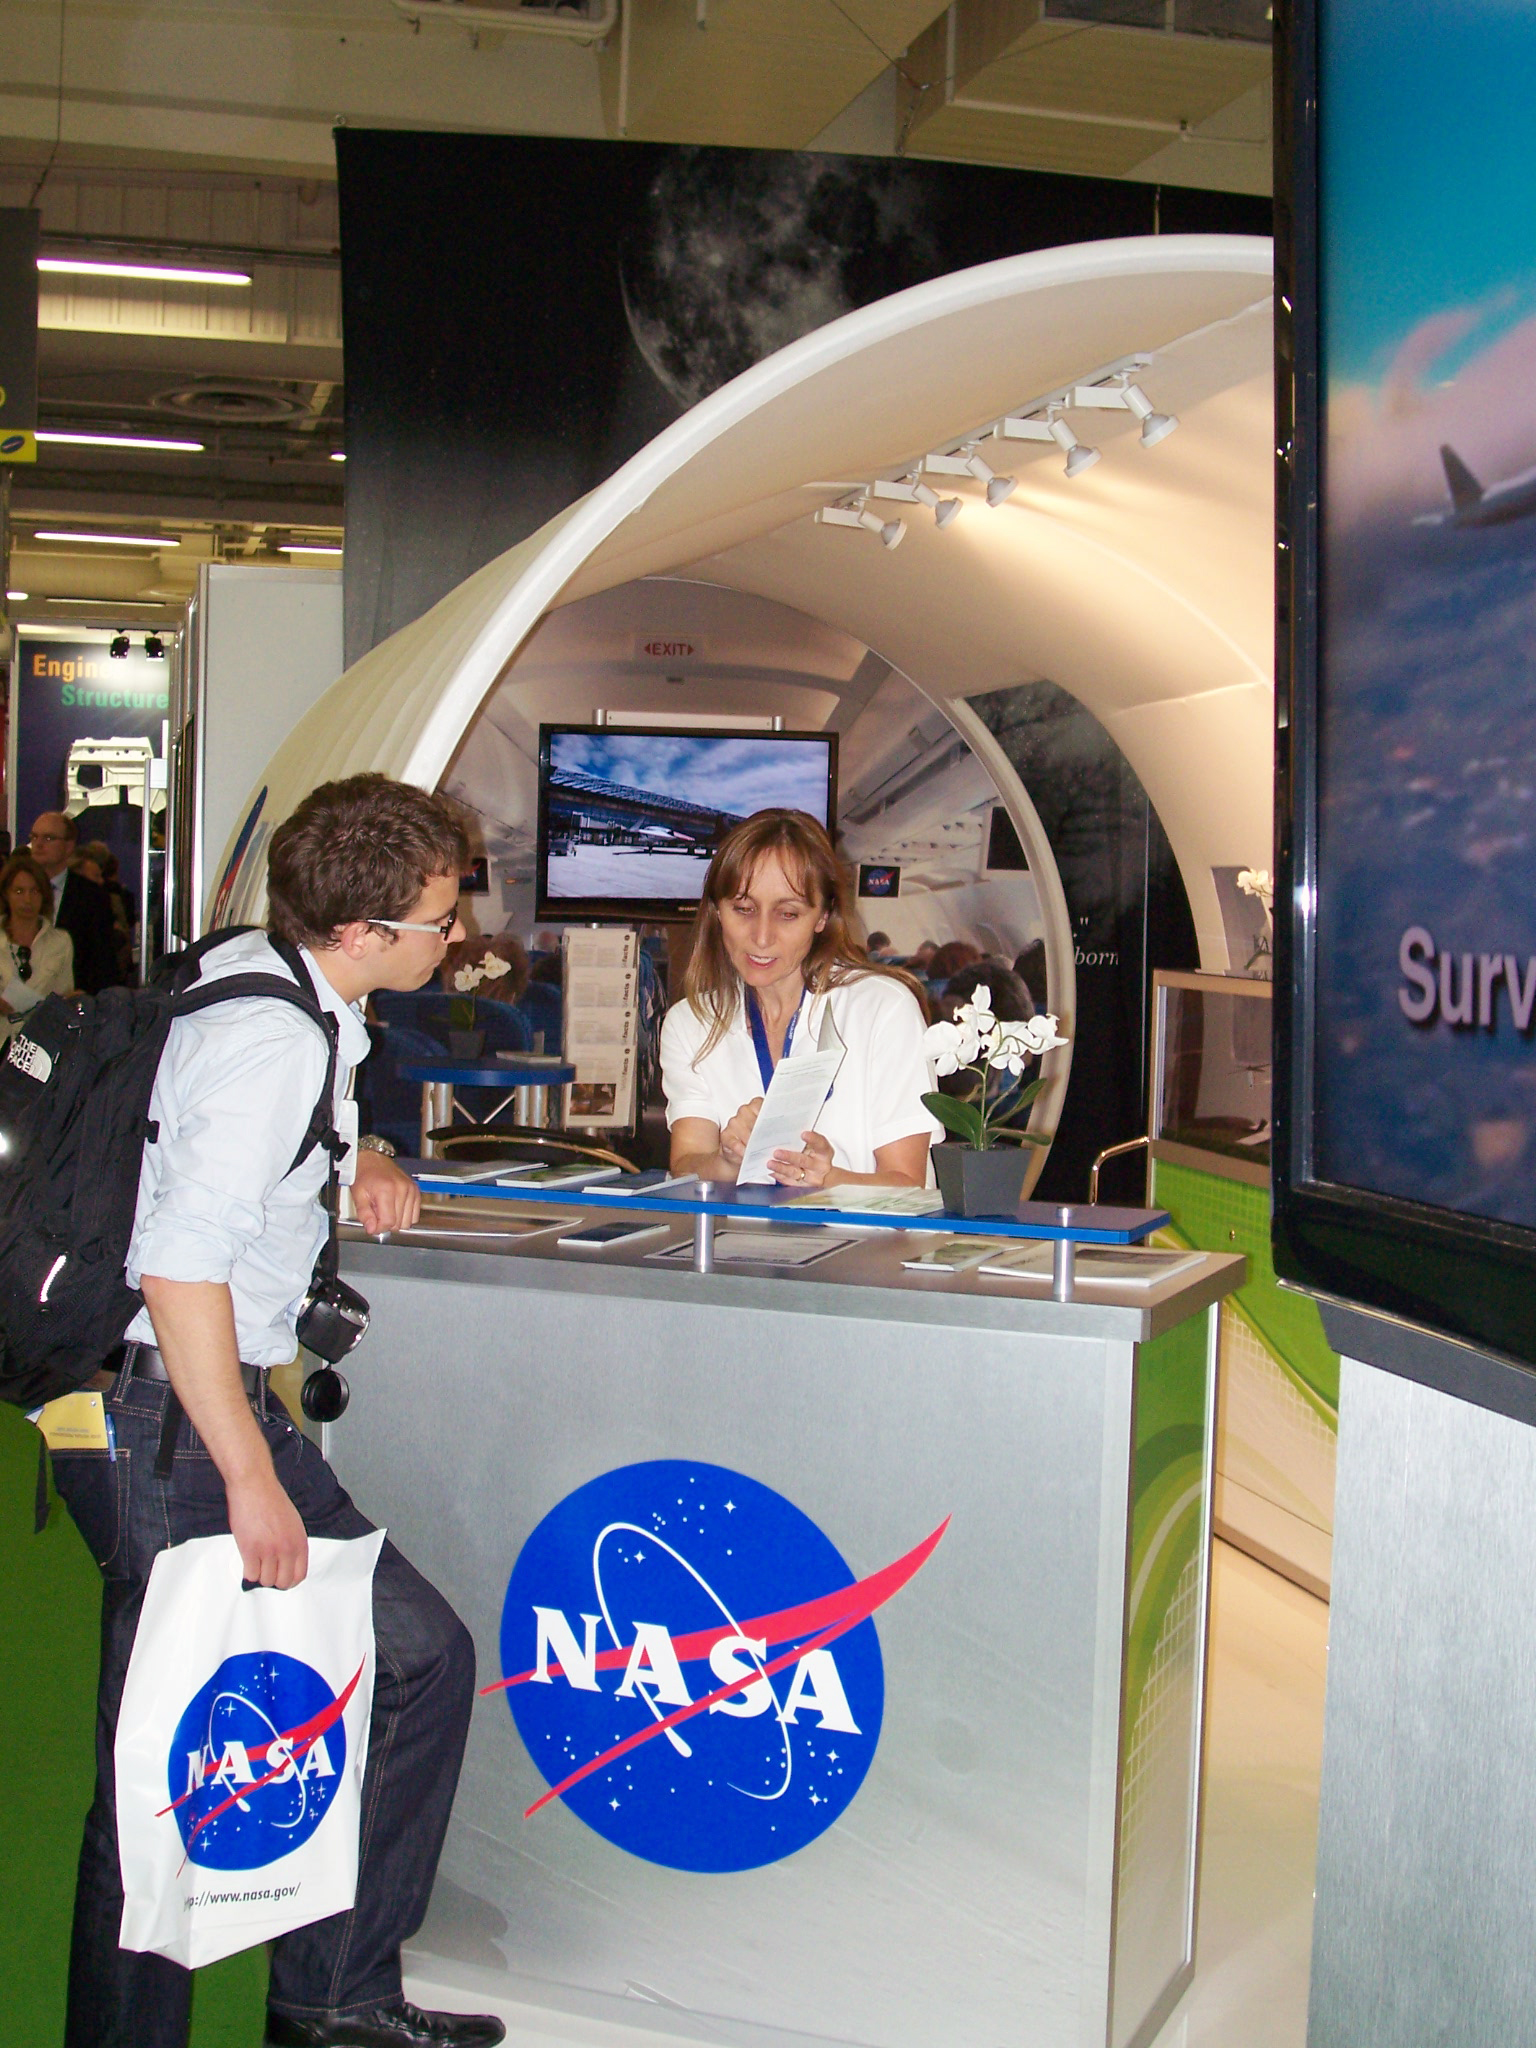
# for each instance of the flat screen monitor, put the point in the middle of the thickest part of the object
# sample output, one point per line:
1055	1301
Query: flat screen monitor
629	819
1405	973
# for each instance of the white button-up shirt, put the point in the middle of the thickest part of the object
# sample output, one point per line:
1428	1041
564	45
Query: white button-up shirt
233	1097
878	1095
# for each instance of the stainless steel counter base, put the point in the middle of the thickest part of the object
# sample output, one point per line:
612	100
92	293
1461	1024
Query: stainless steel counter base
1020	1863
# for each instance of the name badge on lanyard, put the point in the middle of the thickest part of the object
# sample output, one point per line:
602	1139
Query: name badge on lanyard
760	1038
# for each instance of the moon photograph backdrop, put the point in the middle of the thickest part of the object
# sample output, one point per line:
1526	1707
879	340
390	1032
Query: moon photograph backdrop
523	313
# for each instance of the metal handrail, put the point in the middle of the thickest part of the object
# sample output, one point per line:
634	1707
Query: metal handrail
1116	1152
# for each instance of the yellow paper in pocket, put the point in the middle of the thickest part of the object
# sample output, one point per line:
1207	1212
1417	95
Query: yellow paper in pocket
75	1422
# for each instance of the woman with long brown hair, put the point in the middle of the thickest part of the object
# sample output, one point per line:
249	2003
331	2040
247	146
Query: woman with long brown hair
773	950
36	958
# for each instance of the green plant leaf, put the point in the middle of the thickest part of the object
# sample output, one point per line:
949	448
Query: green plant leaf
961	1119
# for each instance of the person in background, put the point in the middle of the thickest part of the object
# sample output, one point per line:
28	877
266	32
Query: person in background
773	953
948	961
98	863
1011	1004
36	958
921	962
879	947
1030	968
80	907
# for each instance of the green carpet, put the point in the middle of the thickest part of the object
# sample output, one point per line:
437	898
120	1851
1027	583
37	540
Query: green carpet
50	1604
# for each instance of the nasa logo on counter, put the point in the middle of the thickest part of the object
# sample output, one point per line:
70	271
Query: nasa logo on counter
256	1760
693	1667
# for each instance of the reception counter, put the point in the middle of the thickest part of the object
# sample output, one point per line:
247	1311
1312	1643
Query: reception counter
843	1630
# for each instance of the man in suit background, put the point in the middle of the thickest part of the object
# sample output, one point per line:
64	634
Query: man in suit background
81	908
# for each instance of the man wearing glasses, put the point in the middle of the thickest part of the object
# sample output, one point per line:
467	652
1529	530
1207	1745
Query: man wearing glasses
80	907
363	880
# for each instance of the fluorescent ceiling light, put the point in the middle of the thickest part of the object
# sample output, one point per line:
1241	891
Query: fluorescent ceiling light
15	596
338	455
124	441
115	604
97	636
308	547
83	266
110	540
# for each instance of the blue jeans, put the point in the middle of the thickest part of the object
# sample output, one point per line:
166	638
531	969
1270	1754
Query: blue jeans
423	1693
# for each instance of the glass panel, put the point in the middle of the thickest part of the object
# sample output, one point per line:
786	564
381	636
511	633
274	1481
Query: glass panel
1213	1091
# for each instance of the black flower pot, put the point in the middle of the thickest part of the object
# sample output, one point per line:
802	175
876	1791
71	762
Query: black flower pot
973	1183
465	1045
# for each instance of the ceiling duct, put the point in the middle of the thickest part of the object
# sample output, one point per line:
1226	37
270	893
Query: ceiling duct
231	401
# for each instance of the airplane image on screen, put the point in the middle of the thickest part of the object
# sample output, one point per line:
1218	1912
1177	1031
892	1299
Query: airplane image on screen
1471	505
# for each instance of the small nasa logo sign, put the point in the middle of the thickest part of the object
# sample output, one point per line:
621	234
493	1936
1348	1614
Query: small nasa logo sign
693	1667
256	1760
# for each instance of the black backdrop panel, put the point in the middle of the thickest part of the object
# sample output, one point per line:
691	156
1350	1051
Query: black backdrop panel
523	314
1130	914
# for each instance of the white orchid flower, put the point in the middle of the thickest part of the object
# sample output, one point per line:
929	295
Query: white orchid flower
466	980
493	967
1039	1034
941	1042
1007	1054
977	1013
1257	882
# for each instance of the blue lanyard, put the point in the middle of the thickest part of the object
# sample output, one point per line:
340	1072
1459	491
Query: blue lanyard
760	1038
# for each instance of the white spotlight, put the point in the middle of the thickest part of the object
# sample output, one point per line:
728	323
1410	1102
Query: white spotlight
1124	396
1155	426
969	463
891	531
912	491
1079	455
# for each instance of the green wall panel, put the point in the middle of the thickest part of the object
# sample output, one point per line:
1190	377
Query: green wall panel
1215	1214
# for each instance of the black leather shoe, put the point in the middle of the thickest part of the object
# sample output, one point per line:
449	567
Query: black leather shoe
396	2025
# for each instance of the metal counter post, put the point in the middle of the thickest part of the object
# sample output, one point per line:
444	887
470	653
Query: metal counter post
704	1234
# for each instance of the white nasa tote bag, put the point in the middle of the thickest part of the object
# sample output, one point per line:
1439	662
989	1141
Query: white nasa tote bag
241	1746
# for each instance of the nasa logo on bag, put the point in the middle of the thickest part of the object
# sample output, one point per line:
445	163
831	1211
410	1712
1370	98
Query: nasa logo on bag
256	1760
693	1667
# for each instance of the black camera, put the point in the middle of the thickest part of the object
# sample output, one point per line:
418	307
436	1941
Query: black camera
333	1318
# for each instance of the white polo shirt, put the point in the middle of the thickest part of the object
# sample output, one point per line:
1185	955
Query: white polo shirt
236	1087
878	1095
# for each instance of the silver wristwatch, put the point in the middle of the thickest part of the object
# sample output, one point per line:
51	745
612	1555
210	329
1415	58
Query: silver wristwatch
374	1143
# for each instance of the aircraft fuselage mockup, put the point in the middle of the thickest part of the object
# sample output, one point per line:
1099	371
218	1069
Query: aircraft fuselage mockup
1471	505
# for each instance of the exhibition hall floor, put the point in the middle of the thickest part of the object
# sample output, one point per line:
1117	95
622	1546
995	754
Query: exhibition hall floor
1269	1648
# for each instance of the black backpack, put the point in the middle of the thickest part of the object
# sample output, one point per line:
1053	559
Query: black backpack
75	1086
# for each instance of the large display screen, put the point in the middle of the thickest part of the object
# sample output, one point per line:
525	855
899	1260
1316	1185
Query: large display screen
1408	573
629	820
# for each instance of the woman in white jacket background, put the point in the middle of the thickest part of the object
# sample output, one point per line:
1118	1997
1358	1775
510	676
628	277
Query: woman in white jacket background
36	958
